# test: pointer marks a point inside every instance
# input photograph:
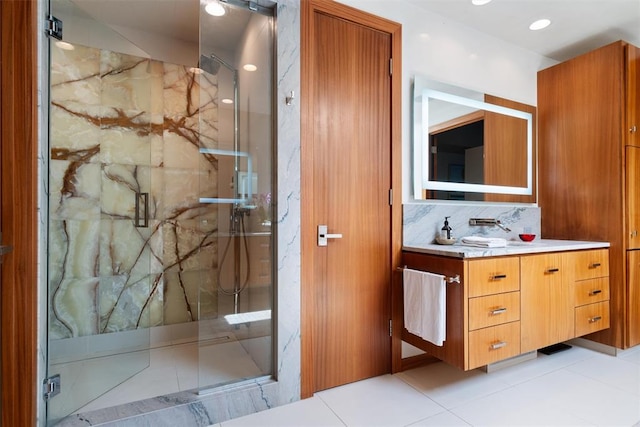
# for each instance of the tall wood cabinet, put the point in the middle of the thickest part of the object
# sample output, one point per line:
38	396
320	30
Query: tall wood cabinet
589	154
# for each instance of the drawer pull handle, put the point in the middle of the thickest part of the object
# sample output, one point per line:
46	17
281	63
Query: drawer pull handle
595	265
498	311
498	345
498	276
595	319
552	270
595	292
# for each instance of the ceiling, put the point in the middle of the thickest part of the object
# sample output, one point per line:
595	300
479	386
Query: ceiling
171	19
577	26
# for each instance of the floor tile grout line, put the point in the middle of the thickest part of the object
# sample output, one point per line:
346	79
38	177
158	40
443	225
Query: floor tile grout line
615	387
401	377
508	386
332	410
438	414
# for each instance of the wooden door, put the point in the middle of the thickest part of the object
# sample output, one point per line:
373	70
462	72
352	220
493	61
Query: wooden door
632	168
633	95
547	301
347	181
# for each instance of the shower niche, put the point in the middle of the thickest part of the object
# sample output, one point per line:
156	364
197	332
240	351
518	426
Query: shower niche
160	225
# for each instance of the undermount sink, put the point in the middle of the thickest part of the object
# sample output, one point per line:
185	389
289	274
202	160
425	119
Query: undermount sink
517	243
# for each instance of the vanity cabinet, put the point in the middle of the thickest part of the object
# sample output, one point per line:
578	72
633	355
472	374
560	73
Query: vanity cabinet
547	300
591	291
588	160
494	310
508	305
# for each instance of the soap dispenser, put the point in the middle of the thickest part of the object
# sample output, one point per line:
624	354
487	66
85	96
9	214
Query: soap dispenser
446	229
444	238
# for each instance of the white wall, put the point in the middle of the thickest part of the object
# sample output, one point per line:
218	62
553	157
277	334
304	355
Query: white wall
443	50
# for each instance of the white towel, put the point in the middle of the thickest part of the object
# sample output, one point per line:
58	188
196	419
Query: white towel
484	242
425	305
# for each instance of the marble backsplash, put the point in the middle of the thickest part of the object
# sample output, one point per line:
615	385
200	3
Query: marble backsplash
423	221
120	126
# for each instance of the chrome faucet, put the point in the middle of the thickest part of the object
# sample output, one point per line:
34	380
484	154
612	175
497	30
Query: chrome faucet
488	221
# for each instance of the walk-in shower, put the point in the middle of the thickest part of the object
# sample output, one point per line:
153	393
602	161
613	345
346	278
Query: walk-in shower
160	183
241	202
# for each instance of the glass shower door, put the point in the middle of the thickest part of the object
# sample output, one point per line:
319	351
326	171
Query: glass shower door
236	147
103	236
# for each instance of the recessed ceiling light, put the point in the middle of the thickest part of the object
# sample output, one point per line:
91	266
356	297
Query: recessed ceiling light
65	45
214	8
480	2
227	101
250	67
540	24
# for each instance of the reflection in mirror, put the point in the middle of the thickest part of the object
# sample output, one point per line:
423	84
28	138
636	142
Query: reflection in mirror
471	146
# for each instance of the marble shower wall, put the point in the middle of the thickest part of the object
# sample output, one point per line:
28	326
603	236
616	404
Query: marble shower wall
123	125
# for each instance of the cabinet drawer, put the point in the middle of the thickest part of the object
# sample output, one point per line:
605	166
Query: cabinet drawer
493	276
590	291
494	310
591	318
591	264
489	345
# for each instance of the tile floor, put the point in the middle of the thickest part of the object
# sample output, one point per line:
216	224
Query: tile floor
577	387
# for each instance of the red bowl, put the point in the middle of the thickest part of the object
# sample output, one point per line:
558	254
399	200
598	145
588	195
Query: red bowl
527	237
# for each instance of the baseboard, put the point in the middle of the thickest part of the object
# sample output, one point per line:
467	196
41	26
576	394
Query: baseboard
493	367
595	346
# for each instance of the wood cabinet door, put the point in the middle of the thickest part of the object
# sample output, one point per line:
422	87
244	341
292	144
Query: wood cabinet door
633	310
547	308
633	95
632	169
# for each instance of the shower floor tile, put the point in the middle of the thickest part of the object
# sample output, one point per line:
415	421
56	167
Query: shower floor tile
176	368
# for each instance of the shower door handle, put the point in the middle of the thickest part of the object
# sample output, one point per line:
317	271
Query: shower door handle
142	200
323	236
4	249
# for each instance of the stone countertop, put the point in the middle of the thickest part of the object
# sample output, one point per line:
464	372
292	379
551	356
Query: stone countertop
458	250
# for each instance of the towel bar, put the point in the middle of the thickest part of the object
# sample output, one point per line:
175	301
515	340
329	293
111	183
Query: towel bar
449	279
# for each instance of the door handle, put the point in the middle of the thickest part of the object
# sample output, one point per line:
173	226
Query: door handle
144	221
323	236
4	250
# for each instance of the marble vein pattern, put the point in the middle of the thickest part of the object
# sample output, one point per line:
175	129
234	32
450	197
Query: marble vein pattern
423	221
124	128
187	408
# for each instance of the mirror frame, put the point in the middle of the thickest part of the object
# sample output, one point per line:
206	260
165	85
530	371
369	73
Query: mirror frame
422	91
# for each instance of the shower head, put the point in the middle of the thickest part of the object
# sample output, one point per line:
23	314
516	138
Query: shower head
209	64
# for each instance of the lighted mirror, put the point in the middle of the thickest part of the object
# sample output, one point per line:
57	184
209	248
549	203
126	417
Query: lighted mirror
471	146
